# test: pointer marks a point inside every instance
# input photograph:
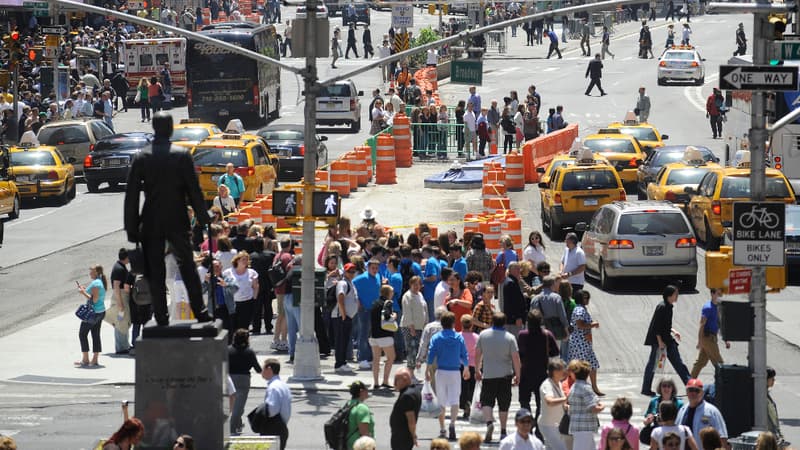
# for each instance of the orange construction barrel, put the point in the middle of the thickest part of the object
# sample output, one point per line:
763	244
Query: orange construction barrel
386	166
340	177
515	172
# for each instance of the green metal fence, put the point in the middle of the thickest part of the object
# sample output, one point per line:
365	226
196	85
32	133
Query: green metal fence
435	141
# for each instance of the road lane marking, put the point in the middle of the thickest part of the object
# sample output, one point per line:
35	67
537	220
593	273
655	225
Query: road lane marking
694	94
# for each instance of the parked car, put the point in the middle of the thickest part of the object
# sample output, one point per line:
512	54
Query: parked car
73	138
338	104
355	13
110	160
640	239
288	142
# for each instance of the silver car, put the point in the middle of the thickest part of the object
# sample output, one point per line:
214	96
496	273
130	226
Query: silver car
74	138
681	63
640	239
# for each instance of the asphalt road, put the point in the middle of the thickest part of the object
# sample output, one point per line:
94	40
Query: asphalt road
50	247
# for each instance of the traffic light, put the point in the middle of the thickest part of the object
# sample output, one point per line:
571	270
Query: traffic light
431	8
444	8
15	47
35	54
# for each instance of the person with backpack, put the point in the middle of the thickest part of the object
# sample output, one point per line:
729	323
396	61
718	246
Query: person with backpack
234	182
413	93
140	303
509	130
550	305
342	317
351	421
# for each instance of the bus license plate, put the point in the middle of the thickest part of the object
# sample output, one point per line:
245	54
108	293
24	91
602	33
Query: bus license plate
654	250
590	202
224	112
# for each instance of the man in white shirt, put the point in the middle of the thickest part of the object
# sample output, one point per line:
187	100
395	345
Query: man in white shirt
384	51
440	293
278	398
432	58
395	100
573	263
522	439
470	124
108	110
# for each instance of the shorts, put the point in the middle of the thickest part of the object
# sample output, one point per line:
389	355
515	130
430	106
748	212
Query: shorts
381	342
281	308
448	387
498	389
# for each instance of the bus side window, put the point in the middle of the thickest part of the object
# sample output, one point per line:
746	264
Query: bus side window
145	60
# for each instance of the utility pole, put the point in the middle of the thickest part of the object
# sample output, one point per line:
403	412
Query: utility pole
306	360
757	347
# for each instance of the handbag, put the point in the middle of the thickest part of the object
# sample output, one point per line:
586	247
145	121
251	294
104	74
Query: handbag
86	313
499	271
646	432
563	424
258	418
276	273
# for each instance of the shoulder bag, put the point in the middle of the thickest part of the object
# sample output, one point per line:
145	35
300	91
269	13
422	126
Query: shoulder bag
276	273
499	271
563	424
86	313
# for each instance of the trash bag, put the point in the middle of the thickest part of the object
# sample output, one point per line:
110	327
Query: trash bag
430	405
476	409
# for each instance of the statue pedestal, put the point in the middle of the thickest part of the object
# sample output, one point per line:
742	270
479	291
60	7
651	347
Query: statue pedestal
181	379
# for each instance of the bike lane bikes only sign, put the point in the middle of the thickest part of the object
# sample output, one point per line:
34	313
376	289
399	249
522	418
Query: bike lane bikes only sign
758	234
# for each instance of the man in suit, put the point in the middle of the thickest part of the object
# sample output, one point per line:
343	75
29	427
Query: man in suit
166	175
594	72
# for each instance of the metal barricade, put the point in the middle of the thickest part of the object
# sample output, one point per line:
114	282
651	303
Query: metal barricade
439	140
496	40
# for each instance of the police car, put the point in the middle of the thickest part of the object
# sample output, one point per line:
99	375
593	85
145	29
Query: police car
681	63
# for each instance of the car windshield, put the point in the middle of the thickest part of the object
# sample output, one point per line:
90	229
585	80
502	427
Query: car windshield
32	159
220	157
686	176
667	157
652	223
282	135
71	134
640	133
792	219
336	90
120	143
189	134
579	180
610	145
680	56
739	187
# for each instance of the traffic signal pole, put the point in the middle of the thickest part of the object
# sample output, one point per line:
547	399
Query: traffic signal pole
757	347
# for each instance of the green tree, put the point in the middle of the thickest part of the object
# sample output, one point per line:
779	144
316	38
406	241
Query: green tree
425	36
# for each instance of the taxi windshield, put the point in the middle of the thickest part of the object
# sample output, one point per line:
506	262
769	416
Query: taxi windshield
220	157
580	180
681	56
739	187
640	133
610	145
686	176
189	134
32	159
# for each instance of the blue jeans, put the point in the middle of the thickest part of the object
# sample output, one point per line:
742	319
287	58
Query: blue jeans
674	357
362	333
292	320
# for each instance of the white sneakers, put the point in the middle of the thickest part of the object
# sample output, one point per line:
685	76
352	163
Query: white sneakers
364	365
344	369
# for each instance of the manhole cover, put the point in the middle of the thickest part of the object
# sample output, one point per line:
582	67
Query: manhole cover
56	380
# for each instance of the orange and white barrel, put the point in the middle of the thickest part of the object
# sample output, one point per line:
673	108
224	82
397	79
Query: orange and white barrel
361	157
493	237
512	226
386	166
471	224
515	172
492	205
340	177
353	169
493	191
401	130
321	177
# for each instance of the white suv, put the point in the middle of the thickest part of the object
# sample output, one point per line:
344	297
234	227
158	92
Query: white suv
640	239
338	104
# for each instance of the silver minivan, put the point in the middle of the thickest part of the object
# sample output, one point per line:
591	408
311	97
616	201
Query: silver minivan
640	239
338	104
74	138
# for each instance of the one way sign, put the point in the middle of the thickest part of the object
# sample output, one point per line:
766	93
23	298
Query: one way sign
758	78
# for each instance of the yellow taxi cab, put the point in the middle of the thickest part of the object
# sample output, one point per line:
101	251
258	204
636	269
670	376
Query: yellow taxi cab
622	151
710	208
648	135
43	171
673	178
190	132
9	194
250	157
575	191
562	160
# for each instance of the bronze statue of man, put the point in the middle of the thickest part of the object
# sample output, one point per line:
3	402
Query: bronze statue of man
165	173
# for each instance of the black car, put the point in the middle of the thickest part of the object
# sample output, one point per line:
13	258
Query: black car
358	13
287	141
110	159
660	156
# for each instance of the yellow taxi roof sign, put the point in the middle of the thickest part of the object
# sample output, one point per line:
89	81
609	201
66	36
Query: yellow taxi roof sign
693	156
585	156
195	120
630	118
234	126
742	159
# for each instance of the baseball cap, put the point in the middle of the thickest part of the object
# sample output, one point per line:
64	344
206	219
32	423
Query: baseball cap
523	414
349	267
694	383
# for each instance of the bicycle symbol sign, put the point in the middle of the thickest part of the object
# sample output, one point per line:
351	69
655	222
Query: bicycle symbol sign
758	233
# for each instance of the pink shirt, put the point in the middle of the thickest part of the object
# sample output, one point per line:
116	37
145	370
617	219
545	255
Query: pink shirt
631	433
471	341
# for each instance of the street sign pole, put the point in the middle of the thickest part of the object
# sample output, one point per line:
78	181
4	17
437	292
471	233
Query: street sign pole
307	365
757	348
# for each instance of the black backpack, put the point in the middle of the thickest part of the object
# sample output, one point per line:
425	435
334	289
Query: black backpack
141	291
336	427
330	295
406	271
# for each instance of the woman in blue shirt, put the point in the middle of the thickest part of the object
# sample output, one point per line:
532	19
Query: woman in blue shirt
95	294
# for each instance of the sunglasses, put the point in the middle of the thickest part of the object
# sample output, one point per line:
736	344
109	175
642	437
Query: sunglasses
616	438
694	390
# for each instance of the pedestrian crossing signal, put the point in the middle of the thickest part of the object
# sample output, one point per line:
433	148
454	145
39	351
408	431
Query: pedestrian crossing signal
325	204
285	203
